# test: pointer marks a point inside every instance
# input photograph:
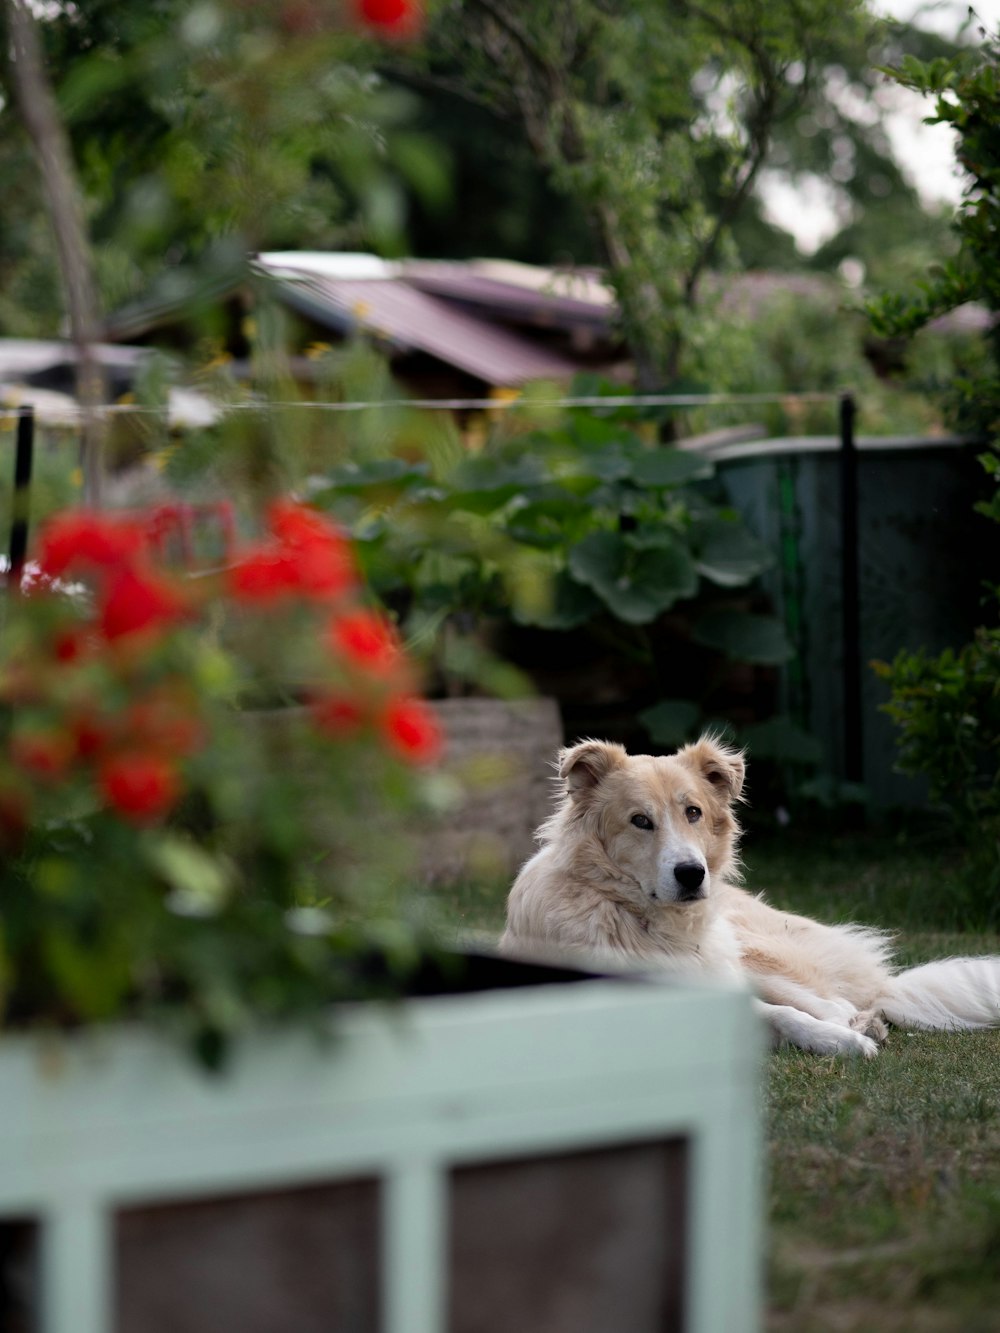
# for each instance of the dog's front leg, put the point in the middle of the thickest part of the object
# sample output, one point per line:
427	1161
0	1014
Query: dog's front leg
815	1034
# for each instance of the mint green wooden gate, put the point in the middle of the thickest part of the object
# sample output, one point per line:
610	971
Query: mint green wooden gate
408	1094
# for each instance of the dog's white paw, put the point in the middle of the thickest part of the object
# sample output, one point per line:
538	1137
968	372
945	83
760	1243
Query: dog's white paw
819	1035
871	1025
859	1044
825	1038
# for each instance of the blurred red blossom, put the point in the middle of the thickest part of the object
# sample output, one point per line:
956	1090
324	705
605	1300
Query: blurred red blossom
393	18
338	715
138	599
105	672
78	538
44	754
309	558
197	735
263	575
367	640
91	732
140	785
413	730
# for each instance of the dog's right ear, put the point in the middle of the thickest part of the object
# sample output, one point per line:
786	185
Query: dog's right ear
585	766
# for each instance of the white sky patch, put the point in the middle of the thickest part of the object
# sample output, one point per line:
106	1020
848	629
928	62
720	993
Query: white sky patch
813	209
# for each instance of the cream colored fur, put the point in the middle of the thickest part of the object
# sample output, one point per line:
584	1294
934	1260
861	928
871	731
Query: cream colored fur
638	864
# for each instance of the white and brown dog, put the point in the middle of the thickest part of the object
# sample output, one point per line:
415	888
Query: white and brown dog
638	864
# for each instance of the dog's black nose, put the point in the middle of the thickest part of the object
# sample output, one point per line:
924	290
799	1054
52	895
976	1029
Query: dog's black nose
690	875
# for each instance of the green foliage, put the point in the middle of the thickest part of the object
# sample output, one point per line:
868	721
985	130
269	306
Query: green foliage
947	709
207	780
654	119
202	131
579	523
966	97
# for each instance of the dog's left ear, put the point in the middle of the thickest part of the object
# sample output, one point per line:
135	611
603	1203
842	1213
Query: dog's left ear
718	764
585	766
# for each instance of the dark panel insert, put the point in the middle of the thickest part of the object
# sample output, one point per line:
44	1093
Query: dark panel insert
301	1260
19	1287
587	1242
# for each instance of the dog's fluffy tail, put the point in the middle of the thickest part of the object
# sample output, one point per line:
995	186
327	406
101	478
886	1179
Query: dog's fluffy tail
947	995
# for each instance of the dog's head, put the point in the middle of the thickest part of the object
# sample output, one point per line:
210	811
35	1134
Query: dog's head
666	823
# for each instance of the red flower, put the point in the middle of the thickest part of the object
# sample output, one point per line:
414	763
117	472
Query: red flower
295	524
323	560
367	640
325	569
140	785
399	18
263	575
81	537
44	754
337	716
69	644
413	731
91	734
138	601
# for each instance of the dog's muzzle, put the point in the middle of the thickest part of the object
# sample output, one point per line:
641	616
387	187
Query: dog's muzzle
690	877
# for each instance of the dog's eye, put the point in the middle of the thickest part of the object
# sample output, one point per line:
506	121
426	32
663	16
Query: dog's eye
693	813
642	821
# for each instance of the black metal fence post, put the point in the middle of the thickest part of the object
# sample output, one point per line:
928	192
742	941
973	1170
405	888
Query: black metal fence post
850	592
20	508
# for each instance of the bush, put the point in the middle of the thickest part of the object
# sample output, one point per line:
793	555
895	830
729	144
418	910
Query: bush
585	525
203	777
947	709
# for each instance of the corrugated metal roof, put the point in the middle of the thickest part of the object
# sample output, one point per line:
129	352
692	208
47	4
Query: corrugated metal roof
414	321
549	301
583	284
330	263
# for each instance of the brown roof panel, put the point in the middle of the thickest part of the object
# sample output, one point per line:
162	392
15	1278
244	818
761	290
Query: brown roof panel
414	321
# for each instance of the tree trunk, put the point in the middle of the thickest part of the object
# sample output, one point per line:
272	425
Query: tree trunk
41	120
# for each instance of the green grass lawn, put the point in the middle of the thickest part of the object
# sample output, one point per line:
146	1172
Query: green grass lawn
883	1175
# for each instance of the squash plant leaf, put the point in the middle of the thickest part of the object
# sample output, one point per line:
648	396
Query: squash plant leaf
727	553
671	721
636	585
571	604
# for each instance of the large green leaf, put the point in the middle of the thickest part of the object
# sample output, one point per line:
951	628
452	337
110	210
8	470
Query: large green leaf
660	468
484	484
200	881
591	432
571	604
377	473
636	585
727	553
781	739
671	721
542	522
745	637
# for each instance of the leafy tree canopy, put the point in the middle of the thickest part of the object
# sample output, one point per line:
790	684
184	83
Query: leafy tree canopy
648	126
201	131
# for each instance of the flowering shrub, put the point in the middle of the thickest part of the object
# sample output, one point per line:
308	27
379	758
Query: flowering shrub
204	773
